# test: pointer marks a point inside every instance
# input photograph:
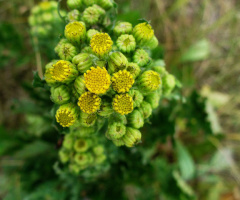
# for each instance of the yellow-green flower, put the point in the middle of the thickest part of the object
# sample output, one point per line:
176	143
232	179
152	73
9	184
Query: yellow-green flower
97	80
122	81
126	43
143	32
75	32
122	28
66	115
101	43
89	102
123	104
149	81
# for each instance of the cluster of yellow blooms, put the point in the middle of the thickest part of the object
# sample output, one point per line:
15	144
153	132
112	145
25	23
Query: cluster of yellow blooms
106	75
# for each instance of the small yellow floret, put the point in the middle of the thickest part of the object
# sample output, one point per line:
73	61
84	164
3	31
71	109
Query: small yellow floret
123	104
101	43
144	30
151	80
122	81
97	80
65	117
89	102
75	31
60	71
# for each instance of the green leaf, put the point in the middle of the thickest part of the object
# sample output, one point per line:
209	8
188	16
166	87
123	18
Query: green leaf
37	81
197	52
185	161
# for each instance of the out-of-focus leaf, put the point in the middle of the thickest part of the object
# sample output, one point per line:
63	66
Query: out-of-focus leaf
185	161
37	81
197	52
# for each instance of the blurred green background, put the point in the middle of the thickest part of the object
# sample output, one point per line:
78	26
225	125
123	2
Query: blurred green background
191	148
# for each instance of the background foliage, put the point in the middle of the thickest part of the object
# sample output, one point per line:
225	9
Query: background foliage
190	146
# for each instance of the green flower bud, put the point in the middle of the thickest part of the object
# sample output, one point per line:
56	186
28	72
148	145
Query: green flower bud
106	4
116	117
32	21
73	15
91	33
81	159
68	141
143	33
74	4
88	3
153	43
60	43
101	63
98	150
115	130
100	159
99	9
47	18
87	120
75	94
126	43
154	98
132	137
74	168
141	57
63	155
134	69
84	131
75	32
105	109
118	142
90	158
48	76
47	6
117	61
63	71
91	16
87	49
60	95
149	81
83	62
122	28
146	109
67	114
79	85
161	70
135	119
168	84
67	51
36	10
82	145
137	97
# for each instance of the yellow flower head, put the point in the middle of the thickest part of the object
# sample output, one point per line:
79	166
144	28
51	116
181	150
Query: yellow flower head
122	81
89	102
143	31
66	115
63	71
123	104
150	80
97	80
101	43
75	31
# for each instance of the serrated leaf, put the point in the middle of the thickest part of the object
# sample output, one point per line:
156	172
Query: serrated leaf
37	81
185	161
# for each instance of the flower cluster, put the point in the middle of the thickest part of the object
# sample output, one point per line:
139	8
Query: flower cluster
81	151
104	75
44	19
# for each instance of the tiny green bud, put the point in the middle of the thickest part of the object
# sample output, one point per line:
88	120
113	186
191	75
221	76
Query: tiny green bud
161	70
74	4
90	158
105	109
134	69
99	9
149	81
132	137
154	98
88	3
60	95
106	4
84	131
73	15
137	97
118	142
143	33
126	43
146	109
100	159
74	168
115	130
91	16
68	141
141	57
116	117
81	145
67	51
98	150
122	28
48	76
47	18
91	33
75	32
60	43
153	43
87	49
168	84
83	62
117	61
81	159
79	85
74	93
87	120
135	119
63	155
